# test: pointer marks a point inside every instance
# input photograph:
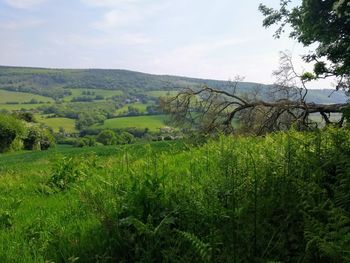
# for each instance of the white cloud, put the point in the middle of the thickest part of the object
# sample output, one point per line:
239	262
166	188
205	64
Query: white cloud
127	13
118	18
108	3
21	24
200	50
24	4
103	41
197	60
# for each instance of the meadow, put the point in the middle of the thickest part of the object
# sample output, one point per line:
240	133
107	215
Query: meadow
101	92
279	198
20	97
56	123
137	105
152	122
18	107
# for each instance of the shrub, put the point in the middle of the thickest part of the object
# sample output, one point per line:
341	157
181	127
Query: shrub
107	137
11	131
126	138
38	139
89	141
67	171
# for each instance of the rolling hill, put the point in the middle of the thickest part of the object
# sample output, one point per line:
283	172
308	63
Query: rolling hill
57	83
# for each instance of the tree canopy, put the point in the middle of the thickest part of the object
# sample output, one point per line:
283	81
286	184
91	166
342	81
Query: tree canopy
325	23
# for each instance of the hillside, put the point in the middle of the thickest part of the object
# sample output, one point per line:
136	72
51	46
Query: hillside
56	83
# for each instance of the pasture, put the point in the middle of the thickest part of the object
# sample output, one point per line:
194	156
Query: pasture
102	92
56	123
140	106
152	122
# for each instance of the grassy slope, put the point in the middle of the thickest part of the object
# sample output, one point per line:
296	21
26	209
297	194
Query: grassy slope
140	106
245	198
15	107
105	93
153	122
11	96
41	80
56	123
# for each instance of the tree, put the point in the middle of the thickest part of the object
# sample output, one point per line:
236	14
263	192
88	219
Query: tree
324	23
126	138
277	108
11	131
38	138
106	137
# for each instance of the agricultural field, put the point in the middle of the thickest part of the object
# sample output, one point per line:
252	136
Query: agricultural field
17	107
140	106
152	122
102	92
56	123
178	202
20	97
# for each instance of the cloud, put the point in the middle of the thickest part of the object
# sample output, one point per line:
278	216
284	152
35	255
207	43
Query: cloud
207	59
24	4
103	41
118	18
199	50
20	25
108	3
127	13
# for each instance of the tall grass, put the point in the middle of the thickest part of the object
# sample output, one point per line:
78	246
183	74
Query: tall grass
280	198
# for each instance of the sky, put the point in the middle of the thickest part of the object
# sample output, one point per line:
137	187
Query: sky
196	38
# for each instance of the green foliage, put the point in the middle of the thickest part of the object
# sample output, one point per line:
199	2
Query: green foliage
11	131
67	171
107	137
279	198
126	138
87	141
324	23
38	138
308	76
203	250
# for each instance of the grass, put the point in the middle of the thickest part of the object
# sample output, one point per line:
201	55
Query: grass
56	123
140	106
152	122
15	107
20	97
278	198
105	93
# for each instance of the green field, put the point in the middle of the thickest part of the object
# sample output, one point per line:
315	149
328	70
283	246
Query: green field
105	93
11	96
15	107
153	123
140	106
56	123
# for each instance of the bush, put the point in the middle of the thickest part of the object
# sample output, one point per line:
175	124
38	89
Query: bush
127	138
11	132
38	139
107	137
89	141
67	171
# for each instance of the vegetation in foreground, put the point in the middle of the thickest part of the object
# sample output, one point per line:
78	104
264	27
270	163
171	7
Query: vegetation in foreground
279	198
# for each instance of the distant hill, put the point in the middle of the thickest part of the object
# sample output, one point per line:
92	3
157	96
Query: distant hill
55	82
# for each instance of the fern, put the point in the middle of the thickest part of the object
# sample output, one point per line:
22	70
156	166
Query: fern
203	250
